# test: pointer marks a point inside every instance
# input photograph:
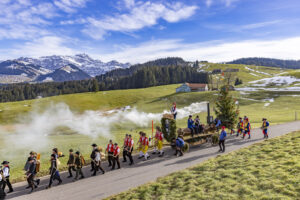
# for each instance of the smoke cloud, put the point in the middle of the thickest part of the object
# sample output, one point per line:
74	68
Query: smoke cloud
36	126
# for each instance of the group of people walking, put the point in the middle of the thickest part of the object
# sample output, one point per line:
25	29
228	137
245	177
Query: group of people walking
76	161
243	128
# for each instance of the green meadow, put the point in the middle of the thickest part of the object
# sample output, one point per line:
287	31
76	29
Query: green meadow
267	170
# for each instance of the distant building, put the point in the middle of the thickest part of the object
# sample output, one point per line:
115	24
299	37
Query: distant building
192	87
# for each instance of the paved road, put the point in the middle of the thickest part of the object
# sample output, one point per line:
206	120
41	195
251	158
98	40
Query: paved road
114	182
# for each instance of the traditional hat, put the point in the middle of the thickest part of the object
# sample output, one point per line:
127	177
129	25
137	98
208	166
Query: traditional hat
70	150
264	119
94	145
77	152
5	162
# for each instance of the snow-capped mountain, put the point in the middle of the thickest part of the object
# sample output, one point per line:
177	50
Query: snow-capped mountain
14	71
83	61
66	73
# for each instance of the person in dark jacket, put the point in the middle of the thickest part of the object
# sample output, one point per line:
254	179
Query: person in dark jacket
31	173
179	145
190	123
78	165
93	156
70	163
222	138
32	155
54	173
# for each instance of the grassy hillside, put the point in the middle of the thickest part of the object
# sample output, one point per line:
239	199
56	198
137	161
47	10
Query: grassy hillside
106	100
246	73
267	170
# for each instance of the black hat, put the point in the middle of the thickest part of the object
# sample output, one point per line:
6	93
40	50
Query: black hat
55	150
129	135
70	150
30	159
94	145
116	143
264	119
77	152
190	115
5	162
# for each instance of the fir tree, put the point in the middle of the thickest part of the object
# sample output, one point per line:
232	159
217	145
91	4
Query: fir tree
225	108
95	86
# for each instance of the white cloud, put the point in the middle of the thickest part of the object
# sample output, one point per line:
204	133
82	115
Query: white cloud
245	27
214	51
141	14
48	45
70	6
23	20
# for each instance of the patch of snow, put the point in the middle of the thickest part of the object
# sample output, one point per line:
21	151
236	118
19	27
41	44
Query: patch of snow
257	71
68	69
249	89
254	74
48	79
277	80
243	93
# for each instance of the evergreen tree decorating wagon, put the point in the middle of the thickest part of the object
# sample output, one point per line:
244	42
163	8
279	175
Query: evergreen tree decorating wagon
168	125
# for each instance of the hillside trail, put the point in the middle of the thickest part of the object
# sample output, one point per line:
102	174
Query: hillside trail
114	182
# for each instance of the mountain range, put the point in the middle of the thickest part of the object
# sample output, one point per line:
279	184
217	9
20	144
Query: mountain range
55	68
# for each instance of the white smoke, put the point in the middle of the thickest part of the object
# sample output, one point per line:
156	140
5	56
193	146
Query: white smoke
36	126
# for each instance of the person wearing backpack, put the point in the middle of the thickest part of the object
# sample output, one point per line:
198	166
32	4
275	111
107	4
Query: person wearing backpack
79	162
33	155
31	172
70	163
54	173
264	128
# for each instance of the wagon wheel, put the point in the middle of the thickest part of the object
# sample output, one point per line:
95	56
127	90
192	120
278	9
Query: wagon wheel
186	147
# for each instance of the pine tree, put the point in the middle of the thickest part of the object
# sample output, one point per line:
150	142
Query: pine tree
95	86
225	108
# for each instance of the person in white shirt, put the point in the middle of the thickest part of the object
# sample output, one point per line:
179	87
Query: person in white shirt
174	110
6	174
97	162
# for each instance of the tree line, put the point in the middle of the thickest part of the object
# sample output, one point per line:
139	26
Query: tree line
269	62
140	77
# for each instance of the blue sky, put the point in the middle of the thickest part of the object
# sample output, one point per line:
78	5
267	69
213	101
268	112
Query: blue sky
138	31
